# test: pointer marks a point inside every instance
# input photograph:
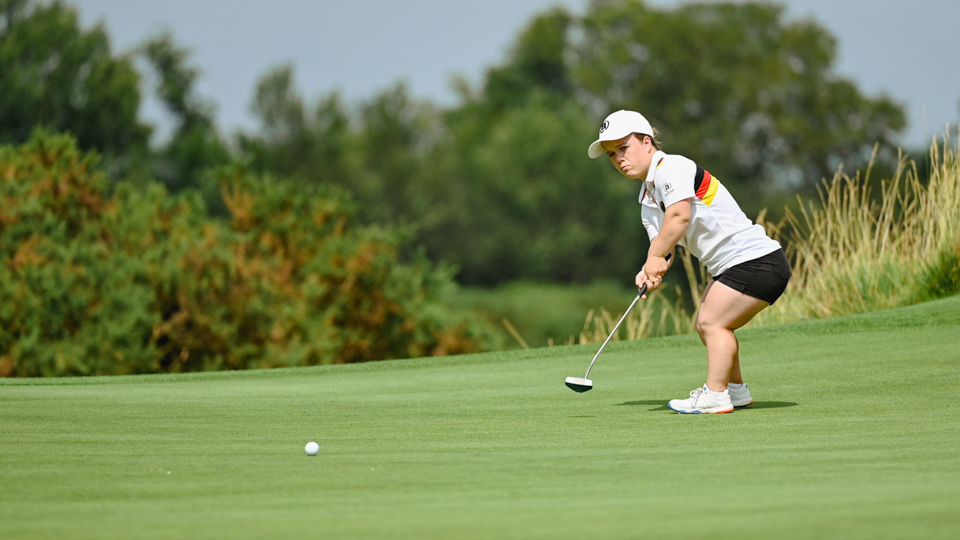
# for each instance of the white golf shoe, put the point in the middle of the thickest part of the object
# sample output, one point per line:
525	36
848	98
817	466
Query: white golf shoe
740	397
702	401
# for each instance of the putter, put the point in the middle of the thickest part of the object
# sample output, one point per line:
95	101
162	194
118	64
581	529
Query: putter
582	385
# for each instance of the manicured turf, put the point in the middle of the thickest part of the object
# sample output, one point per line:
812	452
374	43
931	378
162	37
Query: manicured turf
855	434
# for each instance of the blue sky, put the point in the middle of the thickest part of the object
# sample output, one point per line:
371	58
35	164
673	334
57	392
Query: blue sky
906	50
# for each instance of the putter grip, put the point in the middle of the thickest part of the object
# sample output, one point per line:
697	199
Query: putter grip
643	289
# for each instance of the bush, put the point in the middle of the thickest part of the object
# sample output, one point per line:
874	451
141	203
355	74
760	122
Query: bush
69	303
141	281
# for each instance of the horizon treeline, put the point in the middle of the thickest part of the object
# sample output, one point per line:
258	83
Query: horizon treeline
499	185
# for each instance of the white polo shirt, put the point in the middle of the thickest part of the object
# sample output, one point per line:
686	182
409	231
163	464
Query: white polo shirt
720	235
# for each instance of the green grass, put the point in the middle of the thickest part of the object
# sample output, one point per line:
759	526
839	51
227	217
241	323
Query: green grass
854	435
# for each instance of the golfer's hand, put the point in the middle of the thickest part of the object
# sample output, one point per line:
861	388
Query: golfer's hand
652	273
651	283
655	268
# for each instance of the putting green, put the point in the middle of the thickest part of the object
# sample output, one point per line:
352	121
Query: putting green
854	434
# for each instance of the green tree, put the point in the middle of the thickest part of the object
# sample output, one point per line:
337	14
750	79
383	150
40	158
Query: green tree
512	193
392	146
536	64
375	151
195	145
753	98
59	76
295	140
523	202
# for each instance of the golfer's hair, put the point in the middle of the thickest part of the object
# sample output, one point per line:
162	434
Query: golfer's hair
655	138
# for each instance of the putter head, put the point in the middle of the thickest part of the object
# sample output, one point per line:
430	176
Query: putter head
579	385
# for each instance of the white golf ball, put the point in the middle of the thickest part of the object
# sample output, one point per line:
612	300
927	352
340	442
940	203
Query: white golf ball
312	448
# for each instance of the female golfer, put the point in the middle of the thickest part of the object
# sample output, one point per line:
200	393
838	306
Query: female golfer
681	203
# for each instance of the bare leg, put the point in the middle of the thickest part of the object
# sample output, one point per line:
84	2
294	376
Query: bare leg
722	311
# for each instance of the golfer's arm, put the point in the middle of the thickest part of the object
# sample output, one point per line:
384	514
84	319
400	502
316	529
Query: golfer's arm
675	222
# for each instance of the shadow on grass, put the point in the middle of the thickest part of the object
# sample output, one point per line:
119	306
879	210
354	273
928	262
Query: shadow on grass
661	404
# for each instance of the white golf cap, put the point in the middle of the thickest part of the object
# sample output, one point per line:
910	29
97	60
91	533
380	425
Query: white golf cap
617	126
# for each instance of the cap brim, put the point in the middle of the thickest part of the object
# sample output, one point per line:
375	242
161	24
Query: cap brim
596	149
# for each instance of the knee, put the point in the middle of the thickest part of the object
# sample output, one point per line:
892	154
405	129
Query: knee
702	327
705	327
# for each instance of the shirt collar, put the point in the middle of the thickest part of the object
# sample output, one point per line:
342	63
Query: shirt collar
654	163
648	184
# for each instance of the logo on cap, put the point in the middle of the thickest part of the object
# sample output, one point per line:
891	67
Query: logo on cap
604	126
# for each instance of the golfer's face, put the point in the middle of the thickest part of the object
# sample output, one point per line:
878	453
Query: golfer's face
630	155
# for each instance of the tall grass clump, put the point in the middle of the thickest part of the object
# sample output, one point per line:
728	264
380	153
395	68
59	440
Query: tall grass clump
855	252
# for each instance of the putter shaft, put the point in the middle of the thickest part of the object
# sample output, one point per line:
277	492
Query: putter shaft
642	291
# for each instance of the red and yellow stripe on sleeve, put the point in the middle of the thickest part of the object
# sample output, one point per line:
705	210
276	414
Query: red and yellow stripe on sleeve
708	188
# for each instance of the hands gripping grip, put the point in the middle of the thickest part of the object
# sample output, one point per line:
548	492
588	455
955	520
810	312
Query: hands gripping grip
643	290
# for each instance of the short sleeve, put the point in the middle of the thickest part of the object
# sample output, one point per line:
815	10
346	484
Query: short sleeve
673	179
